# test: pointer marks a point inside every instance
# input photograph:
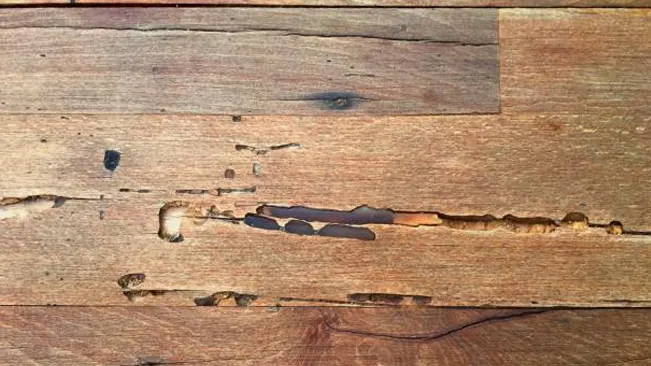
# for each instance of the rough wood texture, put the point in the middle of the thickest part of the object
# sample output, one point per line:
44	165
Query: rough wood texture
562	61
313	61
587	157
74	254
321	336
374	3
525	165
119	210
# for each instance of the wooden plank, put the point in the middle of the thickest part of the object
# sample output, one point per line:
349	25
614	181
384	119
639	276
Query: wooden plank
559	61
240	61
323	336
374	3
79	252
526	165
525	162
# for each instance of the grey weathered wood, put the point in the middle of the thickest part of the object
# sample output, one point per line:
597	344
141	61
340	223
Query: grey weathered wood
249	61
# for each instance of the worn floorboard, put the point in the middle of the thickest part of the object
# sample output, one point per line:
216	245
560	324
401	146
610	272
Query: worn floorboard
118	170
154	160
76	254
116	60
525	165
323	336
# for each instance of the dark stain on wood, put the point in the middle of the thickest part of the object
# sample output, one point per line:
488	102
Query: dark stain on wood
261	222
344	231
337	101
358	216
111	159
299	228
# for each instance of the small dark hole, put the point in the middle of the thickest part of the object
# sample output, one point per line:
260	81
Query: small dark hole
111	159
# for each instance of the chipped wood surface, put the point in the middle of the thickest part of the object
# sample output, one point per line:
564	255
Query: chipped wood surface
207	231
71	256
323	336
308	63
457	165
117	172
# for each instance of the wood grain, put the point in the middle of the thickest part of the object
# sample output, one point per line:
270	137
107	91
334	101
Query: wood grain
369	3
526	165
528	161
73	255
309	63
323	336
561	61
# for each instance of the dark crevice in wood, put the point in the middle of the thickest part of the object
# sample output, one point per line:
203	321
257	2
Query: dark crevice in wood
363	215
436	335
241	300
346	224
217	191
391	299
314	300
330	230
134	295
131	280
252	30
262	151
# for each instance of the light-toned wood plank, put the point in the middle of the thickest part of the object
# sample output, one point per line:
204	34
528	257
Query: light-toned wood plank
527	165
240	61
72	255
322	336
562	61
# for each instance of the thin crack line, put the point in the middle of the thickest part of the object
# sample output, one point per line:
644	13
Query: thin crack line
276	31
436	335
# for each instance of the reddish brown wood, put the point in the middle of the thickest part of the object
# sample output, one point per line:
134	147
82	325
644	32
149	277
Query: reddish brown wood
323	336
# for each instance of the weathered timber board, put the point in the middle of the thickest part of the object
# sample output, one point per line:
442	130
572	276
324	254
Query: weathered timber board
73	255
530	161
240	61
527	165
323	336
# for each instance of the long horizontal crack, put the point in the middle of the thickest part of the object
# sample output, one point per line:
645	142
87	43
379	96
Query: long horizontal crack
363	215
219	191
131	286
255	31
437	335
349	224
